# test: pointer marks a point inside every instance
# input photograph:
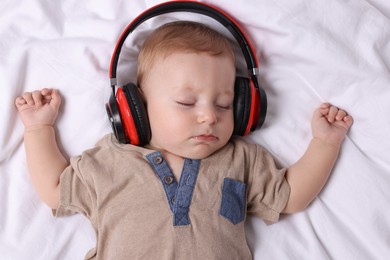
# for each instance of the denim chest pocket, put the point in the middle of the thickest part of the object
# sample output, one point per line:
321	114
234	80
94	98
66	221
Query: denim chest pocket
233	200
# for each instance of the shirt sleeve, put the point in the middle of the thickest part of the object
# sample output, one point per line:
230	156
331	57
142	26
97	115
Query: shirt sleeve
77	192
268	190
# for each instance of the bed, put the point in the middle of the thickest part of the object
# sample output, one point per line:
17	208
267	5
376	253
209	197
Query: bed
309	52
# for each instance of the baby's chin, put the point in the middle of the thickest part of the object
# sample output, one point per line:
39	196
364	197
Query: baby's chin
198	154
195	152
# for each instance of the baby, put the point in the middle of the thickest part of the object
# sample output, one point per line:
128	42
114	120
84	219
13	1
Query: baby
186	194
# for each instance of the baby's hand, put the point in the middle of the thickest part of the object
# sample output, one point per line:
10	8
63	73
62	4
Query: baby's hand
330	124
38	108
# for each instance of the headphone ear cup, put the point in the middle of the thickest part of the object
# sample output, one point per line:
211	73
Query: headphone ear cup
262	107
140	122
242	98
115	119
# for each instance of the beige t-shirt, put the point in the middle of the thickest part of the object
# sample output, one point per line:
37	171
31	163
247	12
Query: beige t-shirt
140	212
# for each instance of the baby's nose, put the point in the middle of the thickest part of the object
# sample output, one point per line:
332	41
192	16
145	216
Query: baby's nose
207	115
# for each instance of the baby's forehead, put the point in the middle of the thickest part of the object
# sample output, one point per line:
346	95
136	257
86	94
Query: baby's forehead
186	63
192	69
163	54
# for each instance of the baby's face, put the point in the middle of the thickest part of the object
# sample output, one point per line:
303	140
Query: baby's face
189	99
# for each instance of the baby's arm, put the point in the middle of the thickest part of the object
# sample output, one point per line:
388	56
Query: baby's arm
309	174
38	111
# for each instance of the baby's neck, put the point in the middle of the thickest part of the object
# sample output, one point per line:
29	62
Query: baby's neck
175	162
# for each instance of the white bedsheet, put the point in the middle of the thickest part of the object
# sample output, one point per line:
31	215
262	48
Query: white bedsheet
309	51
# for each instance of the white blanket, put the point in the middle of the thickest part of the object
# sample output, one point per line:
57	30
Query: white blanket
309	51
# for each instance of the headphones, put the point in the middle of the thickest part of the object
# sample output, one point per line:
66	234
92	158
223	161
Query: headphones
126	110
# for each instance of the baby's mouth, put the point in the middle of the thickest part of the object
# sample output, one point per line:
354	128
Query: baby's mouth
205	138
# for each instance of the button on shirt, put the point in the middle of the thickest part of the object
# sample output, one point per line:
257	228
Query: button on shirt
140	211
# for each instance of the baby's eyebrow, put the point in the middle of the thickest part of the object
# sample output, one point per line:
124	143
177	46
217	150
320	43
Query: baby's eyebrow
188	89
182	88
227	93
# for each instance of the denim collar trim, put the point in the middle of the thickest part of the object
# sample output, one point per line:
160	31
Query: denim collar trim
179	194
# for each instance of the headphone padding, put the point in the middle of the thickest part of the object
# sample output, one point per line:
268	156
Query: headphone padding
115	119
242	105
263	109
138	112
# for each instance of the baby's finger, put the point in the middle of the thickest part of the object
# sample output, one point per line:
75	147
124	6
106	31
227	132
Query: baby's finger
55	98
322	111
46	91
332	113
27	96
37	97
341	114
324	108
47	95
325	105
20	101
348	120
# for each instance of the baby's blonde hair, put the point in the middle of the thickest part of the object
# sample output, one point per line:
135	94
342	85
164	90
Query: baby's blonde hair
181	36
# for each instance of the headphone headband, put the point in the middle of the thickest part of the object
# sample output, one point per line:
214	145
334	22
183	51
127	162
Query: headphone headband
194	7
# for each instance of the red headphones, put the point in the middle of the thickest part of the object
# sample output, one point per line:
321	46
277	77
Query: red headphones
126	110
